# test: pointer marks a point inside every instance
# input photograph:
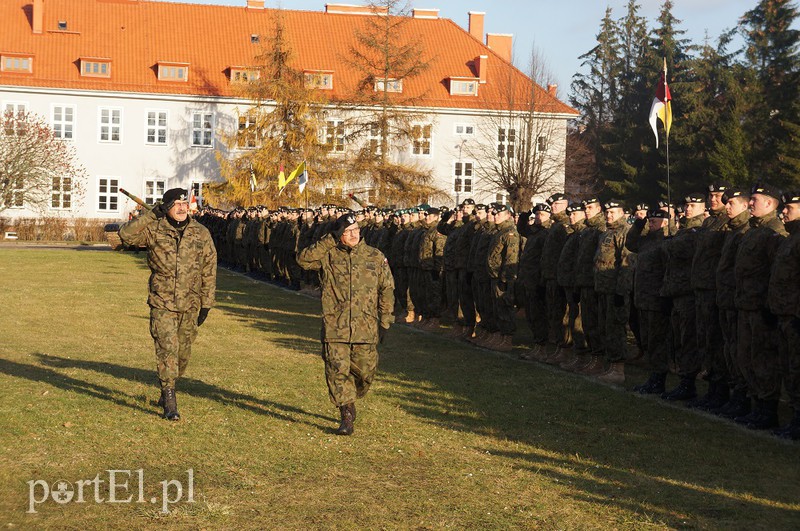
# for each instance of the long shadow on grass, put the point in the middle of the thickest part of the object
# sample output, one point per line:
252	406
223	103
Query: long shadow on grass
189	386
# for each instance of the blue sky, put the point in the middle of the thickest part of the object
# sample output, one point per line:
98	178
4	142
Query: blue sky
561	30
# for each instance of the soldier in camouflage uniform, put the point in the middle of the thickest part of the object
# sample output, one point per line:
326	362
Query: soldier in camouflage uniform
584	279
431	270
784	301
530	274
183	265
566	279
481	282
556	304
452	227
473	217
758	327
502	263
357	304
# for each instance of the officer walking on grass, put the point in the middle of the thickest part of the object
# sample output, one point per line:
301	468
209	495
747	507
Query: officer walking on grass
183	279
357	304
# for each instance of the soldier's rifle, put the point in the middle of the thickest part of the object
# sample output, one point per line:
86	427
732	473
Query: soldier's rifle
136	200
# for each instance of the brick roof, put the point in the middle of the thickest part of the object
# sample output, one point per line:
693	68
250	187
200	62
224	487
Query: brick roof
136	34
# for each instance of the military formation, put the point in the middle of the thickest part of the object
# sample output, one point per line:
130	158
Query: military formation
708	288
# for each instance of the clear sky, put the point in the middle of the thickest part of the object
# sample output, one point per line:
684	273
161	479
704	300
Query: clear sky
561	30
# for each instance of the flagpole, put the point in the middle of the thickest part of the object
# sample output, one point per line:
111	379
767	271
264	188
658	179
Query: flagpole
667	124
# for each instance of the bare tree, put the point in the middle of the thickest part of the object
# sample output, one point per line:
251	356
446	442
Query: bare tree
523	150
581	176
37	169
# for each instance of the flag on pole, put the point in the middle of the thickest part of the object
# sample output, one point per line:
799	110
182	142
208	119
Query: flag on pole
662	105
281	180
193	206
252	179
302	179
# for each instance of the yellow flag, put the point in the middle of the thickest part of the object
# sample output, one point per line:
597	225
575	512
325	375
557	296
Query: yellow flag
281	180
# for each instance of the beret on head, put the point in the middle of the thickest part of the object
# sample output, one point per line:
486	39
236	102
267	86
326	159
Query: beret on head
503	208
719	186
480	206
765	189
556	197
468	201
613	203
695	198
432	211
660	214
642	206
542	207
575	207
174	194
590	201
791	197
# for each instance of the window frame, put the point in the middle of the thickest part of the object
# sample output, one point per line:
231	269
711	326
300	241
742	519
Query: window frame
312	78
251	121
393	85
328	139
421	140
63	122
463	178
16	57
156	128
100	124
61	193
96	69
464	132
166	67
154	195
503	142
202	129
108	195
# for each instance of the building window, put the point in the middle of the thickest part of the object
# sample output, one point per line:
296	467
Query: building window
95	68
506	139
333	192
319	80
501	198
107	194
154	190
463	87
110	124
255	38
16	111
156	128
332	136
17	193
202	129
463	177
248	136
239	75
421	139
465	130
374	138
196	190
64	121
16	64
61	193
541	143
388	85
173	72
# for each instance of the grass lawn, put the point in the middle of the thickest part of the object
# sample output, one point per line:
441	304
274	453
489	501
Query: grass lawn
449	436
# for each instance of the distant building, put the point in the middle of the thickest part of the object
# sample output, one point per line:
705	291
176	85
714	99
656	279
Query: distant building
143	89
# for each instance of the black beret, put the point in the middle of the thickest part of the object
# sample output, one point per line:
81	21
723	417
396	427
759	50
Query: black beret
468	201
664	204
765	189
590	201
433	211
791	197
719	186
662	214
642	206
480	206
556	197
174	194
498	207
613	203
575	207
695	198
542	207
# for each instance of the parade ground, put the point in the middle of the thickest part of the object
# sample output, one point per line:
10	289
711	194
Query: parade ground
450	436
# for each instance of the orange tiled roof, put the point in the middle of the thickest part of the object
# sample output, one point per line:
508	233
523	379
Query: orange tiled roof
137	34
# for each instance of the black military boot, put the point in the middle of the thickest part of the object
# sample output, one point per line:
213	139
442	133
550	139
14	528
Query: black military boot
737	406
654	384
170	404
792	430
701	401
686	390
767	416
346	426
720	397
754	417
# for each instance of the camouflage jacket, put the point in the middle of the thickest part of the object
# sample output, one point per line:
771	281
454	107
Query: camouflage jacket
398	247
611	274
725	278
413	243
556	238
183	269
754	258
530	263
648	274
482	251
708	250
461	250
503	253
566	264
357	290
454	234
431	250
587	247
784	280
678	254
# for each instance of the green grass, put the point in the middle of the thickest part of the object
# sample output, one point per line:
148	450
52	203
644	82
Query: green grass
449	436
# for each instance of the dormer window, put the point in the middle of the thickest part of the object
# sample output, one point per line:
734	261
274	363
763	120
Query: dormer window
319	79
92	67
173	71
241	74
389	85
62	25
464	86
255	38
19	64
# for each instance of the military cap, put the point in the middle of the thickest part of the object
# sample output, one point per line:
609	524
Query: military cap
575	207
642	206
432	211
172	195
765	189
480	206
719	186
791	197
613	203
468	201
694	198
423	207
556	197
590	201
498	207
541	207
664	204
662	214
680	209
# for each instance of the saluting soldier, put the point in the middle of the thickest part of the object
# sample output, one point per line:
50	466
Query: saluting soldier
502	263
431	269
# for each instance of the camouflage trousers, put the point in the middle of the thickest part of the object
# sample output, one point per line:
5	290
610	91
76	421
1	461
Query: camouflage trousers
431	293
758	354
535	313
173	333
416	293
557	318
684	335
349	370
655	329
264	260
729	324
465	299
613	317
503	306
590	314
789	348
400	289
450	305
577	340
709	335
482	291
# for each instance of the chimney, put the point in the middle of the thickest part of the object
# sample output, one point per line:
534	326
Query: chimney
552	90
255	4
476	24
425	13
501	44
482	67
38	16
